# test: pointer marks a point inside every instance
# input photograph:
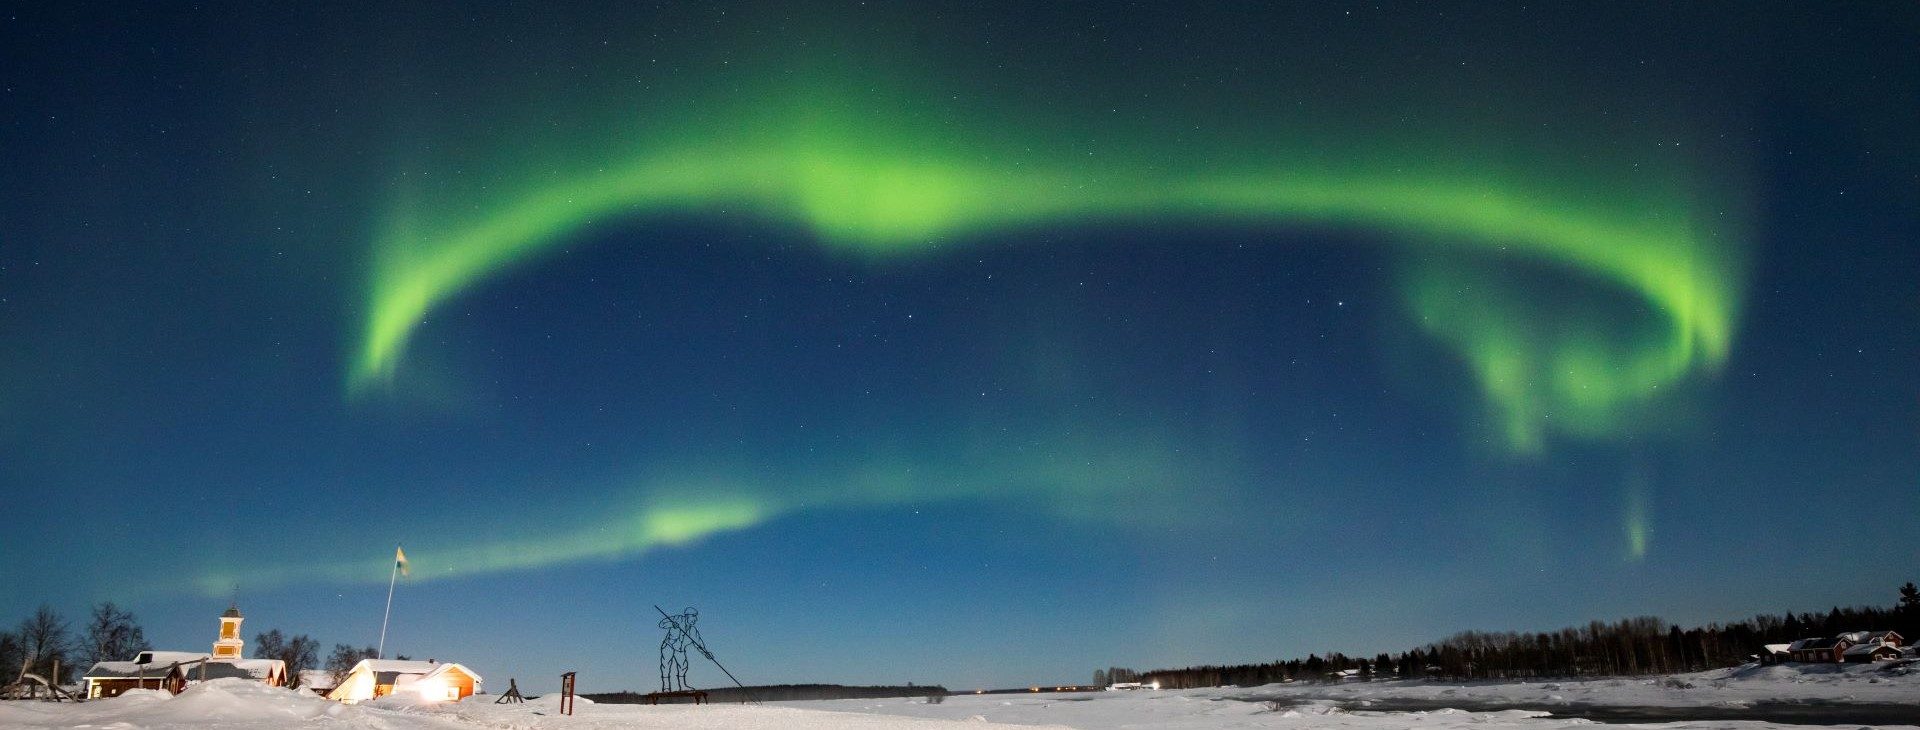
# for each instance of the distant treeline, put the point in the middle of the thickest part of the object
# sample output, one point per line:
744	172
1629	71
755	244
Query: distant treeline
1644	645
784	692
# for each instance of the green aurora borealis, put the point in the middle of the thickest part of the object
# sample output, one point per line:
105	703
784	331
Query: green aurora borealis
870	189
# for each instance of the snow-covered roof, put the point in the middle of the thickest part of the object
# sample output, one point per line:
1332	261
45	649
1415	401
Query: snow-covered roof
388	671
157	664
1865	649
259	669
403	666
109	670
1777	648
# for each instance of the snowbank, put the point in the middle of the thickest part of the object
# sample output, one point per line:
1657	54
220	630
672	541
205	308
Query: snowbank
237	704
219	703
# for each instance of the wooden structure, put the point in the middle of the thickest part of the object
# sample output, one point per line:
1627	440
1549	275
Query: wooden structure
29	686
566	693
512	696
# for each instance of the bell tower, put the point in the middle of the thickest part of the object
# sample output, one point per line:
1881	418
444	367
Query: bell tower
230	644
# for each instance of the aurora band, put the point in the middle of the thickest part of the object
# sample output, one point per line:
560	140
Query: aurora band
900	203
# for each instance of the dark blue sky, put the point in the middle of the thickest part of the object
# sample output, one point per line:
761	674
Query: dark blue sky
1116	420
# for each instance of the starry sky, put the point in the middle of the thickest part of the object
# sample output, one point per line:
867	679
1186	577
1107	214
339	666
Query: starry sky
958	343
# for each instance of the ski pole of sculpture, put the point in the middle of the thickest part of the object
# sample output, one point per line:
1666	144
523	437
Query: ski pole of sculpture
673	649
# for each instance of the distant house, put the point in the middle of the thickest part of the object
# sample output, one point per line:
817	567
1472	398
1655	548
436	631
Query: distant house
1863	653
430	680
1776	653
1853	646
1891	638
174	670
1819	650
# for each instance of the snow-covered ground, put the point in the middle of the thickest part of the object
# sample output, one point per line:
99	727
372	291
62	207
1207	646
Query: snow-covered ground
233	704
1741	686
1813	694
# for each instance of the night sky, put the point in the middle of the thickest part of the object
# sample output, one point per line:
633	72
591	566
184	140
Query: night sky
951	343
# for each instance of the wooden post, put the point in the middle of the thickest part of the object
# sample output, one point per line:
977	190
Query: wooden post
566	693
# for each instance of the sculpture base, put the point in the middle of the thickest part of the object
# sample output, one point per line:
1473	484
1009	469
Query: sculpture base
679	697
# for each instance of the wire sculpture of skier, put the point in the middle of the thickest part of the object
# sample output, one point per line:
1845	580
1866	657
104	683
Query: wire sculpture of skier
673	649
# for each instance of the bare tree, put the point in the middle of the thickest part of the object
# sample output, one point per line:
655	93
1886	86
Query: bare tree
113	634
12	655
269	644
301	653
44	640
341	661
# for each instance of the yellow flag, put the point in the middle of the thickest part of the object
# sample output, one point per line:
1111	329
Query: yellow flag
400	559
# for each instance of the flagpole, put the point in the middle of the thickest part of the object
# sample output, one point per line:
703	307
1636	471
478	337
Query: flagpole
381	653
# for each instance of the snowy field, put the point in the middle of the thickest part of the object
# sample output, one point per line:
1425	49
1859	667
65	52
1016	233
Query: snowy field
1825	695
1817	695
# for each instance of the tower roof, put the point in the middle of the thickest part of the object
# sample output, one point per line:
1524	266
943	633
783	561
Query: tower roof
233	611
